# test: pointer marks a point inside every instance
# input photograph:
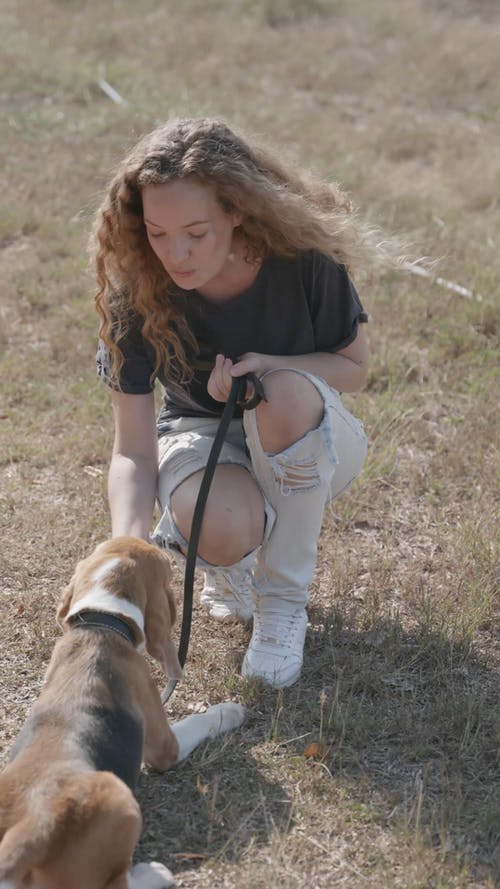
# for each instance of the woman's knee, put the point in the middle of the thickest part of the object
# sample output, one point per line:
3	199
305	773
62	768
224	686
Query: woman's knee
234	517
292	408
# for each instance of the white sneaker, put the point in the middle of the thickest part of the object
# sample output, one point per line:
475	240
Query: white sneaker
227	595
276	648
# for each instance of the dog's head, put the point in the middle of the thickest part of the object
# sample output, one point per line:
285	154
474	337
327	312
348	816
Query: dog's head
130	578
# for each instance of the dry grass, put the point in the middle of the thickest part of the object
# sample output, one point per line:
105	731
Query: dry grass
397	100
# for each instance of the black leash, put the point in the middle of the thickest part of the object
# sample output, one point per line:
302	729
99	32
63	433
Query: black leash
236	397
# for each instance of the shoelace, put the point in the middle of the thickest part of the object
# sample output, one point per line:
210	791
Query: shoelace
285	627
221	587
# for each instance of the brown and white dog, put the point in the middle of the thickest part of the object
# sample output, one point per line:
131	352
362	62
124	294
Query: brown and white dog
68	816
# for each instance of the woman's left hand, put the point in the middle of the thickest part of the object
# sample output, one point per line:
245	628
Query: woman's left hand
250	363
224	372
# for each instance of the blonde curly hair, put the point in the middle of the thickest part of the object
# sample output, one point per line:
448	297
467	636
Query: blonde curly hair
283	211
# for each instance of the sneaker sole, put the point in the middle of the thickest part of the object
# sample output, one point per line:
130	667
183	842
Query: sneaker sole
227	616
275	681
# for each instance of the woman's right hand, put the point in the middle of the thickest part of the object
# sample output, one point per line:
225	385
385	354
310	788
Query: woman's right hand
220	380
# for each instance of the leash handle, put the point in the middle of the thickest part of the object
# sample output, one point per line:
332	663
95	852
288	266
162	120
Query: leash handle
237	395
258	393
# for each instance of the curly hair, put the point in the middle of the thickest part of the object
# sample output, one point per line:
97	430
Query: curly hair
283	211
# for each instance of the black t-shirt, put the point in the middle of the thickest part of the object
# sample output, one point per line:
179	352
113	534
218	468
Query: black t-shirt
295	306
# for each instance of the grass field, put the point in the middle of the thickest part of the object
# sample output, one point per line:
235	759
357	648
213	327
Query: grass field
398	100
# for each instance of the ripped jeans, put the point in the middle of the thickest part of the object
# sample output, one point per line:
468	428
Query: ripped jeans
296	483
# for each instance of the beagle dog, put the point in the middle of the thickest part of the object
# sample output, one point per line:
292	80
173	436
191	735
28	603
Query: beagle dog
68	816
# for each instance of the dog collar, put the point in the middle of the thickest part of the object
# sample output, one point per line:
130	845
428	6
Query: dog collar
98	600
103	621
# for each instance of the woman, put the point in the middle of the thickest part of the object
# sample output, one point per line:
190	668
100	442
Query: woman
213	260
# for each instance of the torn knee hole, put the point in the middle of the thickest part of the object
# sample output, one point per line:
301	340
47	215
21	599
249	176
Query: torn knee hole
302	476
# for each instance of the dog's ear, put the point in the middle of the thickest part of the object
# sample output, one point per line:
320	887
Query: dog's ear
64	605
159	618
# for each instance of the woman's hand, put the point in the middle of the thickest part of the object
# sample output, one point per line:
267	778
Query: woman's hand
219	381
224	372
252	363
345	370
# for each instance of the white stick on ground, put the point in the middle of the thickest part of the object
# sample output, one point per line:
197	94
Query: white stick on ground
443	282
111	92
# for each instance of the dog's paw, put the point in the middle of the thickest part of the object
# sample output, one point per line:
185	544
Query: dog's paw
150	876
225	717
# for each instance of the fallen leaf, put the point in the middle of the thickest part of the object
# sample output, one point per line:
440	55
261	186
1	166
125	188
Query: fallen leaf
201	788
316	750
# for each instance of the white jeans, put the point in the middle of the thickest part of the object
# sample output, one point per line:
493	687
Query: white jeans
296	484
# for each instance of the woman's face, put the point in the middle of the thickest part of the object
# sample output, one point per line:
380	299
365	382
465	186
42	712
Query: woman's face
189	231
